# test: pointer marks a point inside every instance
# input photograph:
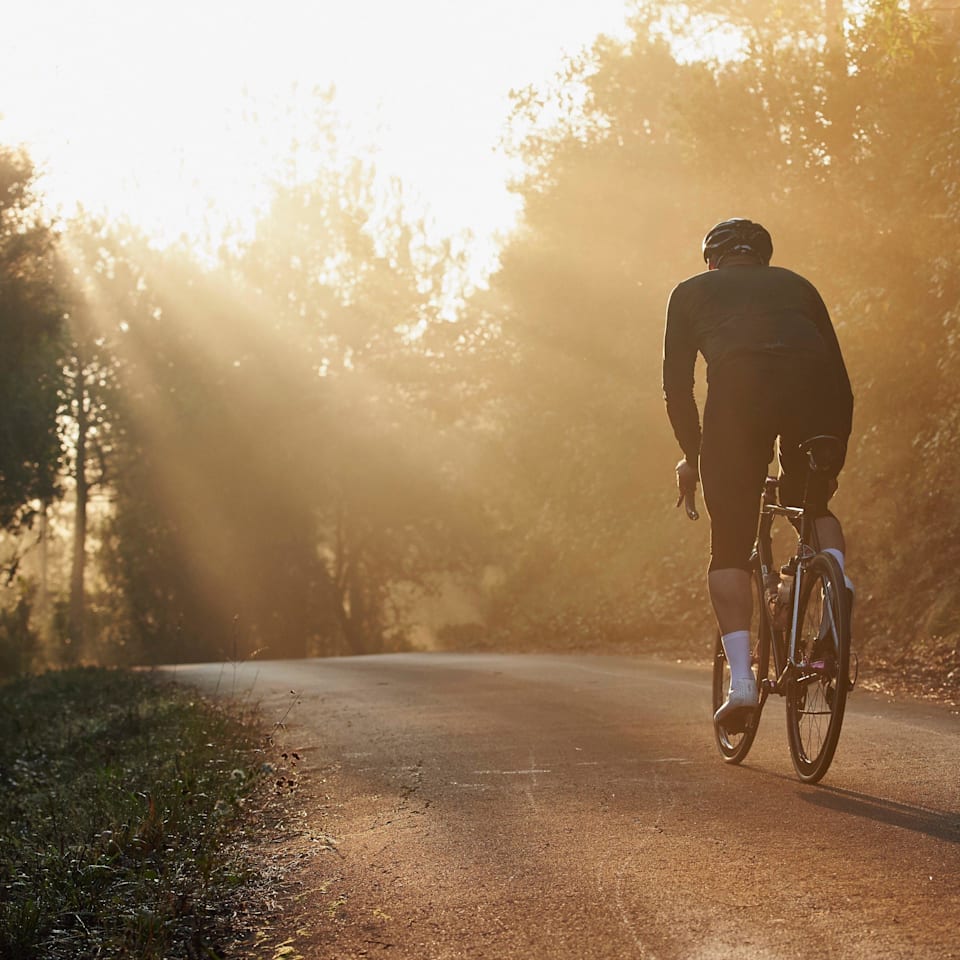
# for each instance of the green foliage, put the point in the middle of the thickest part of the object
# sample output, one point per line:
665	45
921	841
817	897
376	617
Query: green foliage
297	432
840	149
278	462
211	546
31	330
19	641
119	799
355	285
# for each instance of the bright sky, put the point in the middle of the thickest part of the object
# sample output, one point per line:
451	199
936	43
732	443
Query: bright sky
172	111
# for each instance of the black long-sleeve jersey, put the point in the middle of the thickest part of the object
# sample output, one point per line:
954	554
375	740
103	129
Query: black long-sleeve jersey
733	313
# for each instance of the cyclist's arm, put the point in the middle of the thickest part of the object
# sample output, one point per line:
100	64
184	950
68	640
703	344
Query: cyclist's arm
828	334
679	361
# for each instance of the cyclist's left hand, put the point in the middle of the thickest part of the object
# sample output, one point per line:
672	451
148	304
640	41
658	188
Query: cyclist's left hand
687	478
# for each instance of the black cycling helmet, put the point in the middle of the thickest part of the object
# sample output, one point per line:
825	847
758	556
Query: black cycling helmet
737	237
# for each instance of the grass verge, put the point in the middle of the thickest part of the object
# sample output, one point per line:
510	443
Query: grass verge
120	801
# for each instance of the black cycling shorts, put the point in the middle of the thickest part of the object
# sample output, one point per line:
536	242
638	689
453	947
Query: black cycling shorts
750	403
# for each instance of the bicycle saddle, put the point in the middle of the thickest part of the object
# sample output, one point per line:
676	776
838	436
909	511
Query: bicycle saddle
824	454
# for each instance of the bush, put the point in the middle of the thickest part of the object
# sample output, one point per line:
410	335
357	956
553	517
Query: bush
19	642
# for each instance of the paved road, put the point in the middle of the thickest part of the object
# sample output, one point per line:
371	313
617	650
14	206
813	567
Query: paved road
497	806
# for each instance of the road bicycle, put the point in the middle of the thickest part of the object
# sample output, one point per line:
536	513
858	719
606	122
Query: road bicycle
800	633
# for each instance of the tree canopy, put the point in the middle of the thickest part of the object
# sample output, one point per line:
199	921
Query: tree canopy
31	331
313	436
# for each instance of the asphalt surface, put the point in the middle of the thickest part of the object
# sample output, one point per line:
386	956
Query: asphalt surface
535	806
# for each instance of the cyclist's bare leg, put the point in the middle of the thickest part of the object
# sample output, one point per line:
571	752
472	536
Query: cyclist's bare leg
830	534
730	590
830	537
732	598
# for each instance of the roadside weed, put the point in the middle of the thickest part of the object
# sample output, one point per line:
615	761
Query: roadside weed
119	799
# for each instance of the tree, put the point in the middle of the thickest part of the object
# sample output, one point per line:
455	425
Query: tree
354	286
211	548
580	299
31	335
278	470
828	131
88	401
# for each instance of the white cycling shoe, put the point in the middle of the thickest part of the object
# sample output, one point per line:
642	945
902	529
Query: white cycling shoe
737	709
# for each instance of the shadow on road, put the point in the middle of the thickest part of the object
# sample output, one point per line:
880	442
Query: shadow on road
934	823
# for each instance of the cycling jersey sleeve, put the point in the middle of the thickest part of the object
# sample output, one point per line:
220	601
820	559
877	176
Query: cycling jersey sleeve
679	361
844	412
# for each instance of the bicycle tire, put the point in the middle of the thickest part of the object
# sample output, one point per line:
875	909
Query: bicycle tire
817	691
734	747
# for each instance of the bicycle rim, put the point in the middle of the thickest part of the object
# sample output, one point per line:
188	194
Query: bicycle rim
817	691
734	747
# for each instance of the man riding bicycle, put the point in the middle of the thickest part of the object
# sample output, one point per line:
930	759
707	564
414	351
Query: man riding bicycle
774	372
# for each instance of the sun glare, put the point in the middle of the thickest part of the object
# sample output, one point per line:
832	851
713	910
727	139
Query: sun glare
710	38
178	117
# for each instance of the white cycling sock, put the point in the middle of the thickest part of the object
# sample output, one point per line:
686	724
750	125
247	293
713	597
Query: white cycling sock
838	556
736	646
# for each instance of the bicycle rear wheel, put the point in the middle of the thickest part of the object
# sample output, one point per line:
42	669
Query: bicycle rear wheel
734	746
817	691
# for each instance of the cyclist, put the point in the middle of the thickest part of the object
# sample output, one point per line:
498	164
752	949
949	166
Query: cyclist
774	371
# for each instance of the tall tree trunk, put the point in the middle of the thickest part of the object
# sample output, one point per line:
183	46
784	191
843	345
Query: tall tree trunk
44	600
350	608
78	601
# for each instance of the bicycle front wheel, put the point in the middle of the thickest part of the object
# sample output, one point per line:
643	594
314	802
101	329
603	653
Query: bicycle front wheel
734	746
817	688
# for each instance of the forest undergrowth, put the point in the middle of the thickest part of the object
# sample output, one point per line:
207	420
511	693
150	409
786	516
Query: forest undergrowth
125	817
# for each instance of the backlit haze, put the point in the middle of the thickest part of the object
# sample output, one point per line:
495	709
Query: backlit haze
177	115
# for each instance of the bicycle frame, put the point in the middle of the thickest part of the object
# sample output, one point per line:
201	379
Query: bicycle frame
784	659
